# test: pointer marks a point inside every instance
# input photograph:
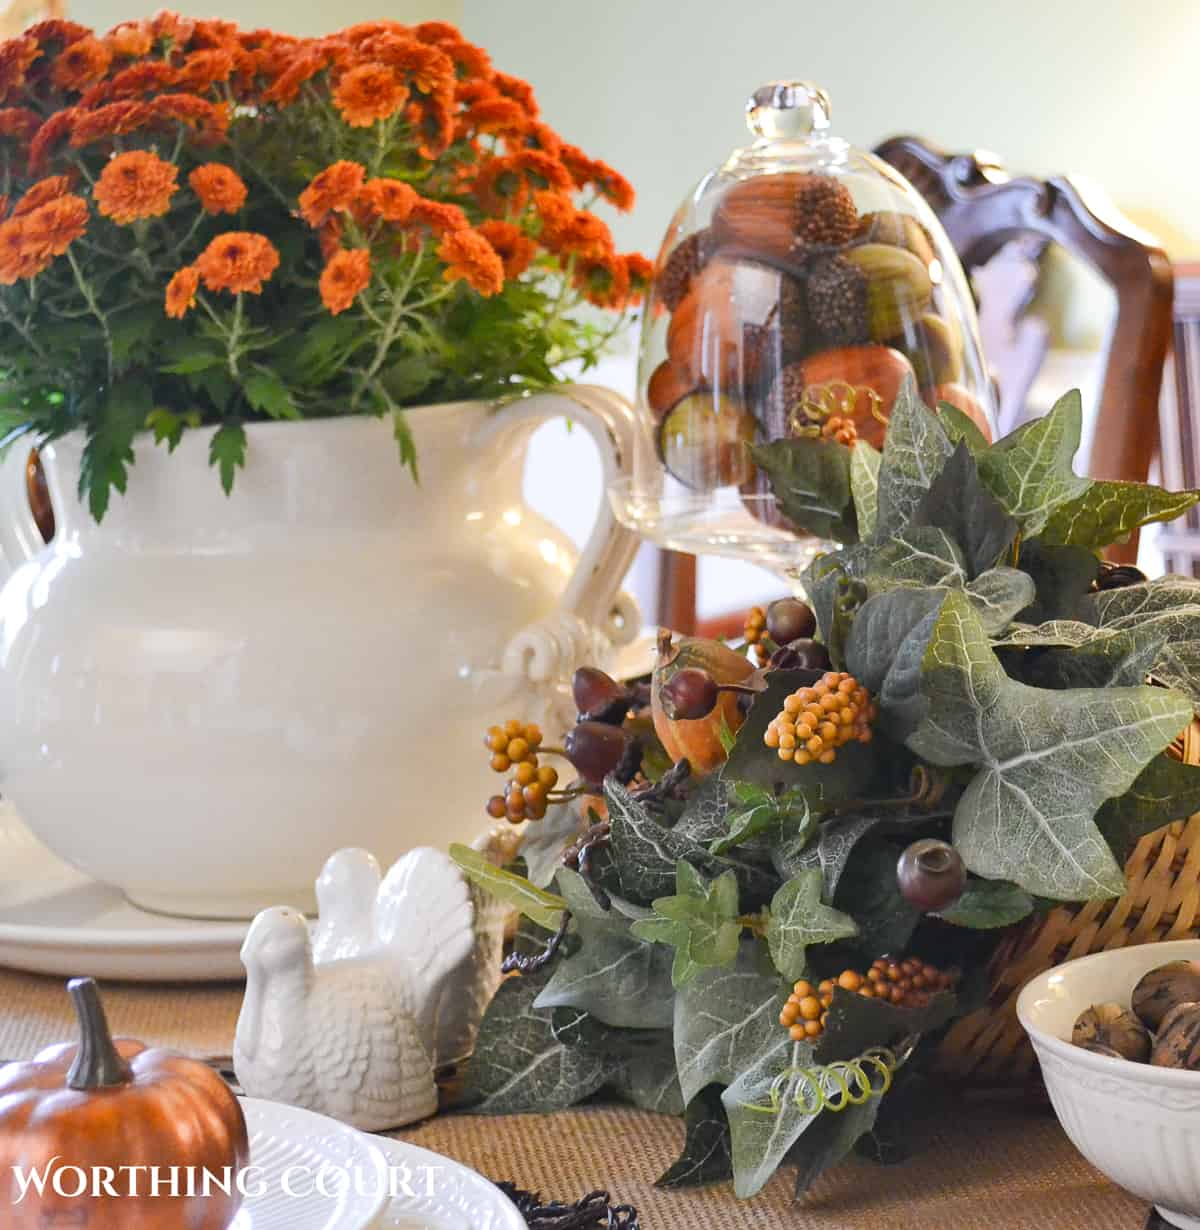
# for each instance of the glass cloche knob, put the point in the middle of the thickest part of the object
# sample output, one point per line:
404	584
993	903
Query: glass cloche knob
787	110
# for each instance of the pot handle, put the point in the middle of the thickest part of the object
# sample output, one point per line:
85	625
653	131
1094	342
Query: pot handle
591	594
20	538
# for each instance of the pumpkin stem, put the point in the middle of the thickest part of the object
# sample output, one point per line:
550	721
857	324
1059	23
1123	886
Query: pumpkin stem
98	1064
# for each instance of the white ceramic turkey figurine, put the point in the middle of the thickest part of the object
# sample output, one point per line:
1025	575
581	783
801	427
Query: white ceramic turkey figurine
353	1018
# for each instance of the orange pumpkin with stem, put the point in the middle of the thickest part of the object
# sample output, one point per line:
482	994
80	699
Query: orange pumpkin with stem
105	1107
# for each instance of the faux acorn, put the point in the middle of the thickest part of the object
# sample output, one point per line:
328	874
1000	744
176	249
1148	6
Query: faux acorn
1114	1028
899	287
703	441
1164	988
1178	1042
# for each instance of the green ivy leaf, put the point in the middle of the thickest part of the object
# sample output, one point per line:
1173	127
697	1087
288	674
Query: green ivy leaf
764	1127
1166	790
959	503
864	485
723	1017
998	595
700	922
706	1145
704	818
989	903
868	887
544	843
961	427
613	976
227	451
647	1077
755	812
1030	472
830	1140
914	452
1120	658
1061	576
856	1023
919	557
799	918
267	393
1108	512
810	480
536	904
1046	761
519	1066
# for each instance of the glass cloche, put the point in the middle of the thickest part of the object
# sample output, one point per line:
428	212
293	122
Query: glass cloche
797	288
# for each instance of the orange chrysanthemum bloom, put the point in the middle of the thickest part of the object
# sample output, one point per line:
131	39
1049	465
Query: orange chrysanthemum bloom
500	187
43	191
54	130
512	245
211	33
239	262
286	87
519	91
114	120
220	188
78	65
334	188
181	292
57	30
641	275
16	55
136	185
471	259
389	199
210	120
345	277
543	170
474	90
19	122
202	68
329	236
587	236
56	225
140	79
468	59
556	214
542	136
175	26
604	281
130	39
501	116
433	126
441	218
19	257
429	69
369	93
611	185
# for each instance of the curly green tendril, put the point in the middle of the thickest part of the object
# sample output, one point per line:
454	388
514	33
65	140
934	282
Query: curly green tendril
833	1086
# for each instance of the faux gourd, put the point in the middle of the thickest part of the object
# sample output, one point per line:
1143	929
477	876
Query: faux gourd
116	1104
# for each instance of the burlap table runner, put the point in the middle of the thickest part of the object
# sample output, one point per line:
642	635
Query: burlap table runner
981	1166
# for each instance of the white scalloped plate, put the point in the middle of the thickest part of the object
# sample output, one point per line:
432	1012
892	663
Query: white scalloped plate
310	1172
55	920
416	1189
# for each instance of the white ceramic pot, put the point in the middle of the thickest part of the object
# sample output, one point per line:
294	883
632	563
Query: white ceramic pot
202	697
1137	1123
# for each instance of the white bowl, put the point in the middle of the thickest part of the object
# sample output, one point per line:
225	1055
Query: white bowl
1138	1124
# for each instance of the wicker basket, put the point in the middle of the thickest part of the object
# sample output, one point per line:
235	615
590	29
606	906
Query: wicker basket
1161	903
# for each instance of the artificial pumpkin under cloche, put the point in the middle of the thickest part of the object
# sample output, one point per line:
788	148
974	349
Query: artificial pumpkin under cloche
116	1104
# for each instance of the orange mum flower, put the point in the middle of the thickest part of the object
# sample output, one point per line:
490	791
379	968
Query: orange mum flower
641	275
56	225
135	185
474	90
556	214
287	85
56	30
389	199
16	55
428	68
605	281
471	259
611	185
500	186
49	135
210	120
19	122
130	39
141	79
175	26
181	292
468	60
543	170
542	136
441	218
587	236
220	188
113	120
239	262
202	68
329	236
496	115
345	277
433	125
369	93
80	64
19	256
512	245
519	91
335	188
43	191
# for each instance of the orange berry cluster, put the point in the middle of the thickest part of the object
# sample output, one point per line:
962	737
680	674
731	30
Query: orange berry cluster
514	746
907	984
754	631
815	721
841	429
